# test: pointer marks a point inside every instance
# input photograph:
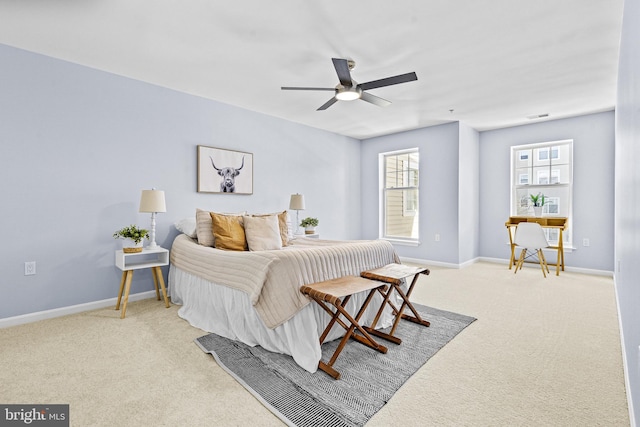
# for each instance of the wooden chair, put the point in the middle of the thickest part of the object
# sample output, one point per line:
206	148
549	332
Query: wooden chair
393	274
338	292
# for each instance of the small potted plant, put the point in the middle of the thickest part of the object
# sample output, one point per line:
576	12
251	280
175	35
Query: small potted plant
132	236
538	203
309	225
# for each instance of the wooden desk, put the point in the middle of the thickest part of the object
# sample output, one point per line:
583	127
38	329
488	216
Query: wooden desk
559	223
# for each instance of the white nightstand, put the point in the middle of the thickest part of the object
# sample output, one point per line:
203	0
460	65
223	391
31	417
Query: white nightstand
148	258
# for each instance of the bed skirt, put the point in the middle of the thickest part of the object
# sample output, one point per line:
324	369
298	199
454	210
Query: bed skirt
228	312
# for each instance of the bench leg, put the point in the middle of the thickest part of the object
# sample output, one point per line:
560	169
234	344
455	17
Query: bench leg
406	303
329	370
372	328
354	324
416	318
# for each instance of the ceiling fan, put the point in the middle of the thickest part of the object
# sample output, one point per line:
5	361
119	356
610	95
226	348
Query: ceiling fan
349	90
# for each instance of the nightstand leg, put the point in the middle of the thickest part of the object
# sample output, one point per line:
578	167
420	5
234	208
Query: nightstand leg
124	276
127	288
158	274
155	282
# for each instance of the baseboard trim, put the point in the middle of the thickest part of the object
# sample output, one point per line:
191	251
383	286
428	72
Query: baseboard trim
72	309
625	362
439	263
504	261
589	271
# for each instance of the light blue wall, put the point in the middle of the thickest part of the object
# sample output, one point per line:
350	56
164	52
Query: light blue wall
593	177
440	162
78	145
627	198
465	188
469	194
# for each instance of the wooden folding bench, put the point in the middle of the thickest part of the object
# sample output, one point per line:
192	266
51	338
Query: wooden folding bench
393	275
333	292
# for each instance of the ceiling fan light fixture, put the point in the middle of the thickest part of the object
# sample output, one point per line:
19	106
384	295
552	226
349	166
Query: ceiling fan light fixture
350	90
348	93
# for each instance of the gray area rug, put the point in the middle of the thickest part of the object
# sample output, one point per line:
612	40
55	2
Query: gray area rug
368	378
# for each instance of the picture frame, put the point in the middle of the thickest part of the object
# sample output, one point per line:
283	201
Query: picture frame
224	171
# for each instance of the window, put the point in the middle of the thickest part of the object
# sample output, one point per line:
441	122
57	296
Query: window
399	173
524	178
547	169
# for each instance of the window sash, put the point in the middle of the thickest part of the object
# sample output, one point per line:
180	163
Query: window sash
400	198
545	168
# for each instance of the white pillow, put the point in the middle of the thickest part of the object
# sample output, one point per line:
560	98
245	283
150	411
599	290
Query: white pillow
262	233
187	226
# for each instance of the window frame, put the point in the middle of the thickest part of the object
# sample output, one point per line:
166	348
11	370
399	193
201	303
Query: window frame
404	188
552	173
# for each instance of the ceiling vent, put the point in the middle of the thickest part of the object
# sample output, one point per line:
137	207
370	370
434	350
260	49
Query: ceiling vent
538	116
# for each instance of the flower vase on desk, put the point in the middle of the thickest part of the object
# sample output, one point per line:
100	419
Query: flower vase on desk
537	211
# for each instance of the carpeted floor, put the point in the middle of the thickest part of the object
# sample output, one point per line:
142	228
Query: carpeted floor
368	379
543	352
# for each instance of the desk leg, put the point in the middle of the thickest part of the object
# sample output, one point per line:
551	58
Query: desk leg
157	273
512	260
127	288
560	260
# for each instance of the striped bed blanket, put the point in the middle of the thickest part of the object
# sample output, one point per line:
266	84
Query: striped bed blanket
272	279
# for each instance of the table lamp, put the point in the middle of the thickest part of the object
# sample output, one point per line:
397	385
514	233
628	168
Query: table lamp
152	201
297	204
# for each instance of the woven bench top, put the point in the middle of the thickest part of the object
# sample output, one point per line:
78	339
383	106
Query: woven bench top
341	287
393	273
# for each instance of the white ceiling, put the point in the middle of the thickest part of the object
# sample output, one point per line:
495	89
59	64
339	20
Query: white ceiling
489	64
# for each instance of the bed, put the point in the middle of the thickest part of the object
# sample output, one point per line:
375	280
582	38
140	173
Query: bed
254	297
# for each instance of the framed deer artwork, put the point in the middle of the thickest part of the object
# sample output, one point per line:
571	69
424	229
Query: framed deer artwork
224	171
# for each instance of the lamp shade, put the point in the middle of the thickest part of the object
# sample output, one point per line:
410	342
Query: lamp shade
152	201
297	202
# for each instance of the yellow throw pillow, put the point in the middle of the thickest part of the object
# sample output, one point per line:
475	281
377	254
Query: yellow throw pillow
204	226
228	232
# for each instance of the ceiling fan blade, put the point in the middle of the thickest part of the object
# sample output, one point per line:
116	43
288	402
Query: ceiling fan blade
402	78
307	88
380	102
328	104
342	68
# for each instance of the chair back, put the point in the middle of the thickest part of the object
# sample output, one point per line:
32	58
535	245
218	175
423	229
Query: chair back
530	235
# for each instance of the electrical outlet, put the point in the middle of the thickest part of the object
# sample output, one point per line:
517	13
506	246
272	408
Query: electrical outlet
585	242
29	268
437	237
